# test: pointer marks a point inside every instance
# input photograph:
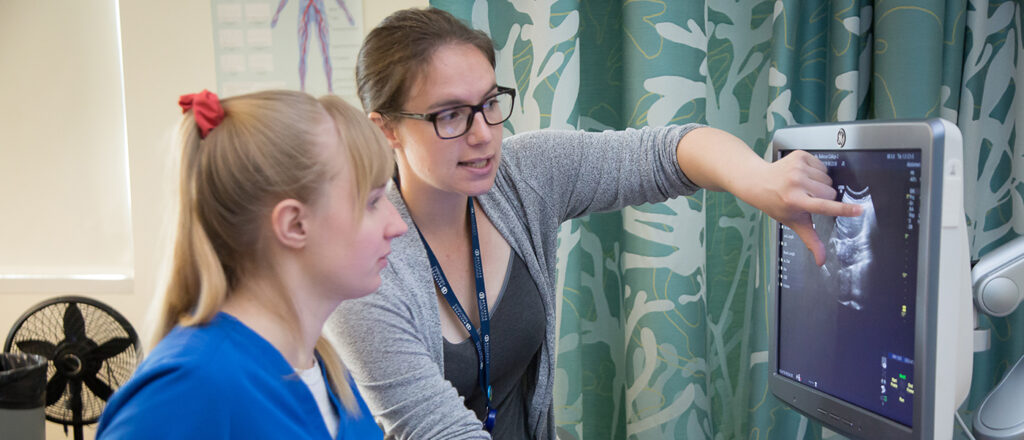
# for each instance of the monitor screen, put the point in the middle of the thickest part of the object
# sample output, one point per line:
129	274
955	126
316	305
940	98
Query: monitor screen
876	342
847	328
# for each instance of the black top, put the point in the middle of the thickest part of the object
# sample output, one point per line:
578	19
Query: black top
517	333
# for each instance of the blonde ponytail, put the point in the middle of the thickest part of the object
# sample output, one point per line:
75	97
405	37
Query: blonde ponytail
197	286
337	376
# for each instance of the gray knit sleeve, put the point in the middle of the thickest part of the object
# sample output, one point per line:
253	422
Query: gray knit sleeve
403	385
574	173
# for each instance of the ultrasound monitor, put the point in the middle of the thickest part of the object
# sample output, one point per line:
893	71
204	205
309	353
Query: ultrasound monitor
877	342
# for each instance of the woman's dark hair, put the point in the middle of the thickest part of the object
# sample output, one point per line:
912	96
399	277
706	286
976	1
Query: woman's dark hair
400	47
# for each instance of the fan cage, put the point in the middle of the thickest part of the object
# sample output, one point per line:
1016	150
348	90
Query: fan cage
45	322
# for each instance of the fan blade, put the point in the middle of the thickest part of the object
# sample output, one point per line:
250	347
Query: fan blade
41	348
109	349
98	388
74	324
55	389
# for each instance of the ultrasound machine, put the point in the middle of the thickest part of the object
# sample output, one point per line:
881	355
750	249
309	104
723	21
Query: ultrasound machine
878	342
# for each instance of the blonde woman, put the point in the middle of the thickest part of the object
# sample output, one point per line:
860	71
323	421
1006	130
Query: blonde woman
283	217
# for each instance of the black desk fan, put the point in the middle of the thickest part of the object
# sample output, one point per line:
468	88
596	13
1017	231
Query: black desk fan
91	351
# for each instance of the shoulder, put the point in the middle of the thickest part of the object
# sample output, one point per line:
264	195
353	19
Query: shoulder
211	351
207	358
179	370
197	383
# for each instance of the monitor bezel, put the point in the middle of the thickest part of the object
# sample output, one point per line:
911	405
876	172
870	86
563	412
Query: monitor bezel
844	417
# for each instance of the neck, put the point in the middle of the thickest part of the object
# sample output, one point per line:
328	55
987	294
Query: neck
436	213
263	307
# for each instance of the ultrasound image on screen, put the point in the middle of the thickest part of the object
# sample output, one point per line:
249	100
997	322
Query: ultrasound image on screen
849	249
846	328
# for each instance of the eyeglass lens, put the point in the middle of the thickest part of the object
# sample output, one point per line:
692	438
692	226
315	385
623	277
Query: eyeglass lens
456	121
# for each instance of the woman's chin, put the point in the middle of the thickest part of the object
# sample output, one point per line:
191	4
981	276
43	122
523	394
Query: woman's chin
368	288
479	186
479	191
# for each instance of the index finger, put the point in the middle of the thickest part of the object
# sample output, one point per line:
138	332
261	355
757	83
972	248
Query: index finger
832	208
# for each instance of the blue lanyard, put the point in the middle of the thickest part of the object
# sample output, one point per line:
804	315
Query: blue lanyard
481	341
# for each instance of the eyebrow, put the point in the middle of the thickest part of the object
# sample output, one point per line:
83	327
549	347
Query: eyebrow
455	102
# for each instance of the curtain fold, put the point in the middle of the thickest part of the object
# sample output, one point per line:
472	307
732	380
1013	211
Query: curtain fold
663	322
990	109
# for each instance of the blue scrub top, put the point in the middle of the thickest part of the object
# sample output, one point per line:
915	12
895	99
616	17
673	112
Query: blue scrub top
222	380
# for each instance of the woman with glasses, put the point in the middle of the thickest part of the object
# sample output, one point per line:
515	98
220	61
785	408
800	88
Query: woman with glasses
459	340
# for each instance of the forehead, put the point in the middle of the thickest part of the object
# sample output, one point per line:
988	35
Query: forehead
456	73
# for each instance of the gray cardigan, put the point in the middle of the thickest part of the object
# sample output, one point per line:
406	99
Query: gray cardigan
391	340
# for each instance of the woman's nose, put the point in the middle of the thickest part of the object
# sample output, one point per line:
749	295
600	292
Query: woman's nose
480	131
395	225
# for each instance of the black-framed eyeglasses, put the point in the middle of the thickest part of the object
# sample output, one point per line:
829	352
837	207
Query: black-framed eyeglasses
456	121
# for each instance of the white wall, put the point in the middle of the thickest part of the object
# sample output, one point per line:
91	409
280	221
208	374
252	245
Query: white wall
167	51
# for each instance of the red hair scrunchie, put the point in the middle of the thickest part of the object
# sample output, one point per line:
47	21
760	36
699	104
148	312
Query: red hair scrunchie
205	108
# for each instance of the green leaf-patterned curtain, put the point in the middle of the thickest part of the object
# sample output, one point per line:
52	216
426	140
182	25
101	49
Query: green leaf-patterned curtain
663	323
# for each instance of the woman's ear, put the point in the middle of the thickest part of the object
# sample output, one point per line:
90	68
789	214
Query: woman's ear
387	127
290	223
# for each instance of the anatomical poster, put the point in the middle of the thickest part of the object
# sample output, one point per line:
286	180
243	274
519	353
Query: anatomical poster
308	45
